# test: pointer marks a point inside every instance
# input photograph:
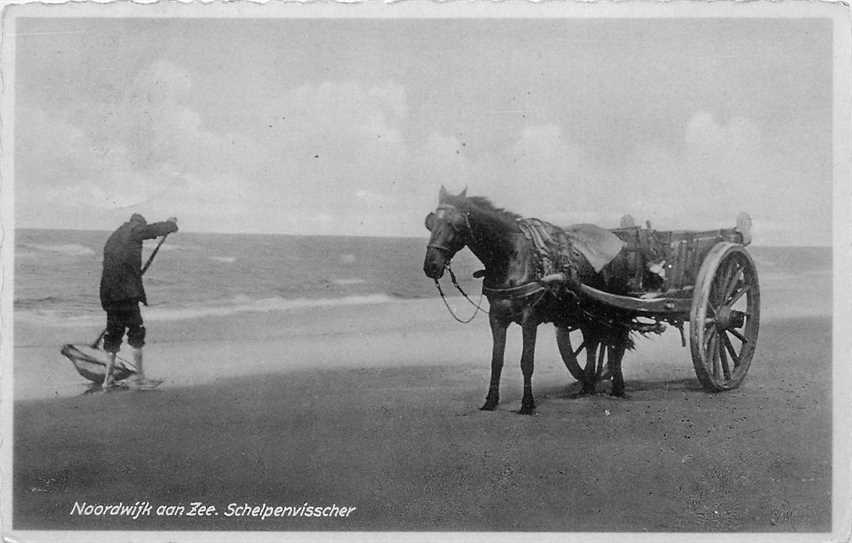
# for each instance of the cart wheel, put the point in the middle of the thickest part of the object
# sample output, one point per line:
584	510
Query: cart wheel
570	354
725	317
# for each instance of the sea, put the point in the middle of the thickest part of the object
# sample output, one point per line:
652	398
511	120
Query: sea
57	273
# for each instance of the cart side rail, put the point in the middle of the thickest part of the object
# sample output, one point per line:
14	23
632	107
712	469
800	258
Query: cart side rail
667	305
674	255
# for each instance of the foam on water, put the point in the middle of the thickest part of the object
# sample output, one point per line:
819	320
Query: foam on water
169	246
239	304
265	305
353	281
67	249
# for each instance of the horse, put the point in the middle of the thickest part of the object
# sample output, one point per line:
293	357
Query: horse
513	285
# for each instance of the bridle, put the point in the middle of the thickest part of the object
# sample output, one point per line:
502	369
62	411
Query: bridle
440	213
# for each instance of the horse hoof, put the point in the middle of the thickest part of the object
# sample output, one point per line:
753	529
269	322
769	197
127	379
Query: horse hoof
618	394
587	390
489	406
527	407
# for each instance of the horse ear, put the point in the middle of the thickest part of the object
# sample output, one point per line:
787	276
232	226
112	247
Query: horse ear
442	194
463	194
430	221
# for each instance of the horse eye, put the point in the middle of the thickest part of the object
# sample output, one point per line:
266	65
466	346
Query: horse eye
430	221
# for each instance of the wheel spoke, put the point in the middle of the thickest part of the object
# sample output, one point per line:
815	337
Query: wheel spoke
718	288
590	359
739	293
712	310
725	368
731	350
731	282
580	348
739	335
709	337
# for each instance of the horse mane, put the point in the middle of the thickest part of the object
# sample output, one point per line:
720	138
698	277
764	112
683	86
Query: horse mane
485	205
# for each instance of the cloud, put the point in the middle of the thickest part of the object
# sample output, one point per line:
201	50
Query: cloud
717	171
704	134
333	112
153	151
64	167
150	152
160	128
341	157
330	145
541	172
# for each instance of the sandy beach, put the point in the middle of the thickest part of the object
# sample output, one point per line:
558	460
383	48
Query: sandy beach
376	407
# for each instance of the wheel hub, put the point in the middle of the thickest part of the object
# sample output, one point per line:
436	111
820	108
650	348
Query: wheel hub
727	318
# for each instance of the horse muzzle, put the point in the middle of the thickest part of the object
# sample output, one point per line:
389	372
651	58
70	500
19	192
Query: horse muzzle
435	263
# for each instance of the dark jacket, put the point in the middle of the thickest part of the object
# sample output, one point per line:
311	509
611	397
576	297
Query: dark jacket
122	274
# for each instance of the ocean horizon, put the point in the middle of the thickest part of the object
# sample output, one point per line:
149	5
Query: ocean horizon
355	236
57	272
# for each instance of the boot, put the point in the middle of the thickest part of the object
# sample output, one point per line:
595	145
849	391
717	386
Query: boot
141	381
108	382
140	370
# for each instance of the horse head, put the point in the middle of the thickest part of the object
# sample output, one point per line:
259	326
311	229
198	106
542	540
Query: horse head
450	228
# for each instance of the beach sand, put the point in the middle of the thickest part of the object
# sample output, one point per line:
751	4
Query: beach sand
376	407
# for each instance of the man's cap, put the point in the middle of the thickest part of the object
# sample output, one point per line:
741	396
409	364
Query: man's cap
136	217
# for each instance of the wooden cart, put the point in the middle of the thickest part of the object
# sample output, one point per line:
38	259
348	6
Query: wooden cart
705	278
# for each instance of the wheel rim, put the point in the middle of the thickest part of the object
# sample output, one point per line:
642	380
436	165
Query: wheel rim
577	360
725	320
570	347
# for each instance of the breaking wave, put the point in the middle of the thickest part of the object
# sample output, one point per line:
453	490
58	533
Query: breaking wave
353	281
264	305
225	259
236	305
67	249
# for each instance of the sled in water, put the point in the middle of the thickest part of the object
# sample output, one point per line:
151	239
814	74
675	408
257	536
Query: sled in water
91	362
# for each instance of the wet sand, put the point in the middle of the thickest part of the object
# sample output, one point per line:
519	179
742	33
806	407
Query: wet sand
377	408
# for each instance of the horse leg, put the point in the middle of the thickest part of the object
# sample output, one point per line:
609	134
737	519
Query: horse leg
590	371
528	402
498	334
616	354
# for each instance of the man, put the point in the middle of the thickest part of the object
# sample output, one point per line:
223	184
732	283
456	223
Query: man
122	290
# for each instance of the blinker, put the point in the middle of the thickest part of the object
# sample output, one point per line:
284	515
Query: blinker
430	221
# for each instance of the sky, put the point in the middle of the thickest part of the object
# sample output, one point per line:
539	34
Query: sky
350	126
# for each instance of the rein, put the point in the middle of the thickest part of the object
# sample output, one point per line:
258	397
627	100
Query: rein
478	305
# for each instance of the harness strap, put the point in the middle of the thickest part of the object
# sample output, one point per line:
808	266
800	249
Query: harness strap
521	291
547	262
